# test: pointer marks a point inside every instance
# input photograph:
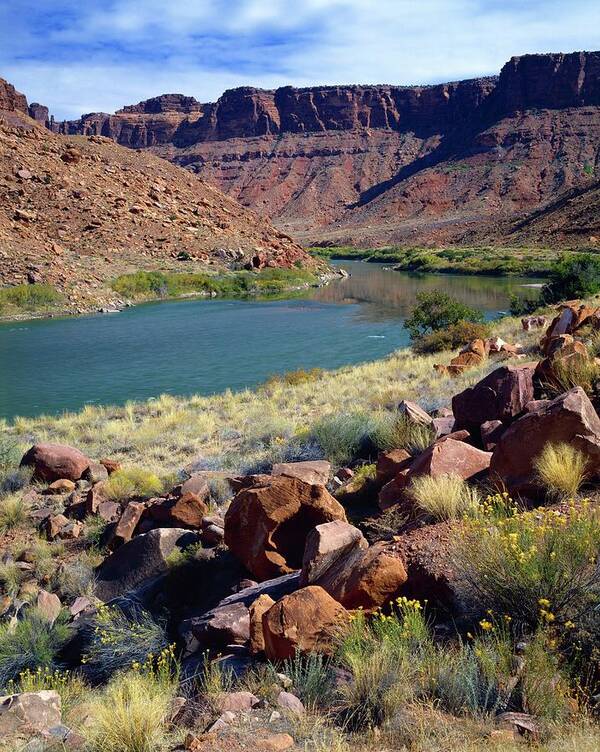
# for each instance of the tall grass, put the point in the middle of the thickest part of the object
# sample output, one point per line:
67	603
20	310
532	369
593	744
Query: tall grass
561	468
31	643
28	297
132	481
446	497
130	715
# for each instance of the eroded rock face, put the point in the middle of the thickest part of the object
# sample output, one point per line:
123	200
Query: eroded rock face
303	622
266	525
30	711
52	462
570	418
327	548
501	395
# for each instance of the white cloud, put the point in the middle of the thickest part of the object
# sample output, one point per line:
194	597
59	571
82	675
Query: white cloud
100	58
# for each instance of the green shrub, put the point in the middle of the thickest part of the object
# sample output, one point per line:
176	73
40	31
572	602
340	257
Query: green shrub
132	482
121	640
437	310
12	477
13	512
524	306
536	567
573	276
28	297
450	338
32	643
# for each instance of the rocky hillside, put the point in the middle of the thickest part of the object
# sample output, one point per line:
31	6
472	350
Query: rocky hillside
379	164
77	211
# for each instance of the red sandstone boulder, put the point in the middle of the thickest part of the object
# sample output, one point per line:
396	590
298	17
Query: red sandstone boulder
188	510
390	463
127	523
569	418
303	622
327	547
52	462
314	471
415	414
257	610
450	456
266	525
338	559
562	352
501	395
491	431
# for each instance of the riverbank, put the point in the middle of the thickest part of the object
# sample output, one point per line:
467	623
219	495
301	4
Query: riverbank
35	301
478	260
251	429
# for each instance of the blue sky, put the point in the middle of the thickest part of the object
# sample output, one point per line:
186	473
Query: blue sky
77	56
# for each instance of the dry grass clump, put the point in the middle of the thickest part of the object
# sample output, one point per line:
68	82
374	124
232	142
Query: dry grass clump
130	714
446	497
13	512
132	482
561	469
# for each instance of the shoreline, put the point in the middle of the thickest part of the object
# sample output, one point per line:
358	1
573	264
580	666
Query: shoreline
120	305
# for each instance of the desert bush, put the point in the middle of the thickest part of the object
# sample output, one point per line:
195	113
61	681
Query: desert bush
214	679
343	437
130	715
13	512
12	477
450	338
568	373
392	430
120	640
446	497
74	579
293	378
312	679
573	276
537	567
31	643
437	310
132	482
561	469
28	297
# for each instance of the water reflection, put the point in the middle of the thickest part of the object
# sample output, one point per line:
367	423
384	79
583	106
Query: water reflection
385	294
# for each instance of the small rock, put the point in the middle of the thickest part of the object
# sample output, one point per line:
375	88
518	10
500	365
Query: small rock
48	605
61	486
288	701
237	702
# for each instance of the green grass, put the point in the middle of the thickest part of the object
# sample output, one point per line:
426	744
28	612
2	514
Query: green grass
28	298
145	285
485	260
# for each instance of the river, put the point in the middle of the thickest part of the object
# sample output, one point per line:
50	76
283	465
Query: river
206	346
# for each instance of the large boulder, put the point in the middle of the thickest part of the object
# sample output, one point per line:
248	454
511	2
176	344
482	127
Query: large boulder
230	621
52	462
327	549
450	456
338	559
501	395
140	560
562	353
311	471
266	525
306	621
569	418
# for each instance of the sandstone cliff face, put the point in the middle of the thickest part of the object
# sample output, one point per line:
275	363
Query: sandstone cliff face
375	164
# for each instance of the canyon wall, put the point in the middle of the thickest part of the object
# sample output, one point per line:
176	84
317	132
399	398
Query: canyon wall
383	163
